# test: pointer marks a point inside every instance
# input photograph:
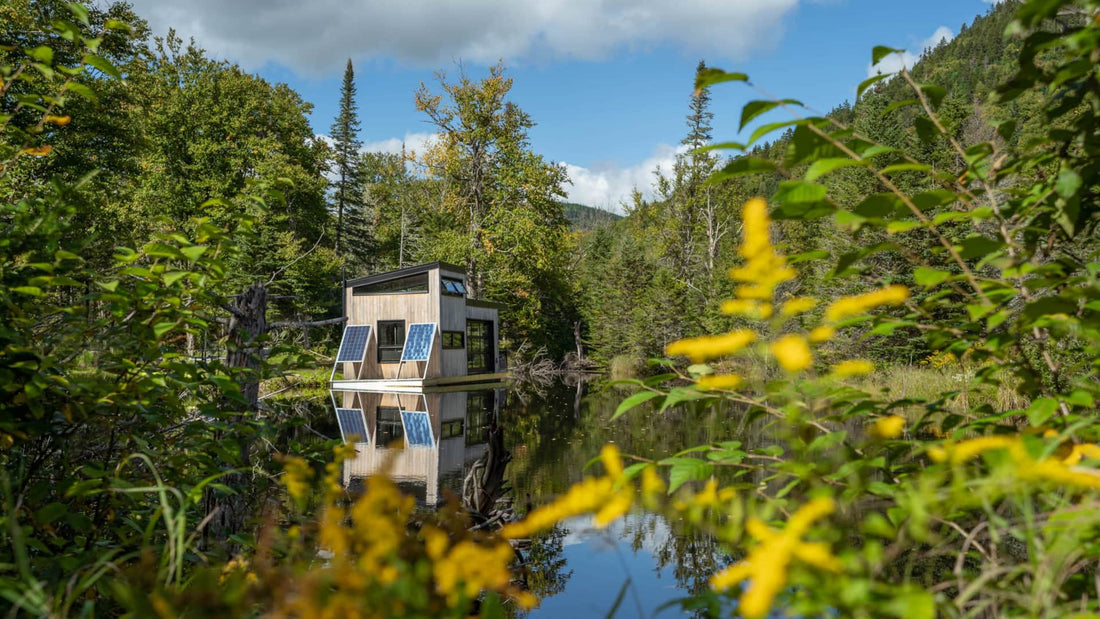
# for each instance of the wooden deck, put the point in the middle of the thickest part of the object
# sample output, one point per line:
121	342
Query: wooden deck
448	383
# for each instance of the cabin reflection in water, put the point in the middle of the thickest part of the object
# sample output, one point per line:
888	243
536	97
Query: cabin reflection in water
425	441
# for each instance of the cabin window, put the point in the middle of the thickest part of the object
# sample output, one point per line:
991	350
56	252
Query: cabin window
403	285
453	340
454	287
389	426
451	429
479	346
479	416
391	340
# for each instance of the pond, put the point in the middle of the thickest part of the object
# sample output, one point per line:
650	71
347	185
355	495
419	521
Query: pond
507	450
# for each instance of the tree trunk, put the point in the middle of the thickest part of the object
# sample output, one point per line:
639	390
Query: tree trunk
228	513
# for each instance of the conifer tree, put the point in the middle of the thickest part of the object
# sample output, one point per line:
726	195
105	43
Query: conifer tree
345	137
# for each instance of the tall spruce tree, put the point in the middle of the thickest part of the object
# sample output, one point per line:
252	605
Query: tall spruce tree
345	137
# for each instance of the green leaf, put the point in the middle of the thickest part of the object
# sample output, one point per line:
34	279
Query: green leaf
906	167
752	109
172	277
881	51
977	246
1006	129
711	76
41	53
935	94
634	400
1041	409
927	277
31	291
926	129
742	166
911	604
867	83
79	11
680	395
161	328
101	63
82	90
51	512
110	286
684	470
798	191
821	167
763	130
193	252
897	105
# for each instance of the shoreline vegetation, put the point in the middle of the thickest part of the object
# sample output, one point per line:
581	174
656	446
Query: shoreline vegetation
901	296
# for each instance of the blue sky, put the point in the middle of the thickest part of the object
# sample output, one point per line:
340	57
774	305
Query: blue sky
607	81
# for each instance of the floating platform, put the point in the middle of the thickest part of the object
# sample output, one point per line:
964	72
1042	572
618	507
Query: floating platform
437	384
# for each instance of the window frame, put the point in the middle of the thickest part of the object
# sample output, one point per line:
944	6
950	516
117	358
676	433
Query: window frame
448	340
386	351
459	289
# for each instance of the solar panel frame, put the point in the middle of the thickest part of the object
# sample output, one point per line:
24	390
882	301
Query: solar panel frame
355	339
418	429
353	346
352	422
419	338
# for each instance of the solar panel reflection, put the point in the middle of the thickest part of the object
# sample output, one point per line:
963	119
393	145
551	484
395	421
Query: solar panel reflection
354	345
352	423
418	428
418	342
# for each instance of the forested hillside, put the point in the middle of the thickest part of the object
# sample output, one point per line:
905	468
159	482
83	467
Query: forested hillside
661	273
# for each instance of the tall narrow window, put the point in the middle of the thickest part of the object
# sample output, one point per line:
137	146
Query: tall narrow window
479	346
389	426
391	340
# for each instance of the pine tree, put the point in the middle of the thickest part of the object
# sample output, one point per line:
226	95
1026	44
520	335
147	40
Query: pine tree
345	137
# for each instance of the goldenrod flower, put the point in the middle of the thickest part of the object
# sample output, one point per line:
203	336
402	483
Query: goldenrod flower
718	382
767	565
707	347
797	305
1080	452
859	304
854	367
749	308
792	352
821	334
888	427
37	151
966	450
57	120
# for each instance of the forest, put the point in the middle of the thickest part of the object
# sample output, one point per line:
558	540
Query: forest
900	294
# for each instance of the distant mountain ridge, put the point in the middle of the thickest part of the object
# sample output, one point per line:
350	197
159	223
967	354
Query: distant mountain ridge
586	218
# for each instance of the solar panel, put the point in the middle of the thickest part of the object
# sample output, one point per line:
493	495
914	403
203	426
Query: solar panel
354	345
418	342
418	428
352	423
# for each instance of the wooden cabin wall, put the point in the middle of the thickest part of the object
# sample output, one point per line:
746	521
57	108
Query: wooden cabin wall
371	309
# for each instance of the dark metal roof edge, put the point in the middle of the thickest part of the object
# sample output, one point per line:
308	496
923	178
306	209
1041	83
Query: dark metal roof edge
485	304
405	272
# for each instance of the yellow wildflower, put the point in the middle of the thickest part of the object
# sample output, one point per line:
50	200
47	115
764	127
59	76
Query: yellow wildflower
707	347
749	308
767	565
652	484
763	269
966	450
797	305
37	151
718	382
296	476
888	427
57	120
792	352
821	334
854	367
853	306
1080	452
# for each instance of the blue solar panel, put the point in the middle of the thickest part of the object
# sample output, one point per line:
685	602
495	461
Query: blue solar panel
354	345
418	428
418	342
352	423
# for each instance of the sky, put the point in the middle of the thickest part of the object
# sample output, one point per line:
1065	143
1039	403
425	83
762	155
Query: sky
608	82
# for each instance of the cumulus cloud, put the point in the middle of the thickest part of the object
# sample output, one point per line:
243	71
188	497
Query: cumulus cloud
413	143
894	62
609	186
319	35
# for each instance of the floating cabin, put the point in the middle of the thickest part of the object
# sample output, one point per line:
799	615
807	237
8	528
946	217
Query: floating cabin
415	327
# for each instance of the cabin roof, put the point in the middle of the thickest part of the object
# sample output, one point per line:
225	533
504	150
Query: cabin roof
405	272
485	304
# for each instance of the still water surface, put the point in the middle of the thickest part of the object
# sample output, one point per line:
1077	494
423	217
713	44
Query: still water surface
519	448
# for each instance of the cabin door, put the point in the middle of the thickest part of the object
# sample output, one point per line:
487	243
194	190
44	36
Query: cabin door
479	346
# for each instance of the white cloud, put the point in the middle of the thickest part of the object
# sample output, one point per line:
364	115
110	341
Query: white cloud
609	186
894	62
319	35
414	143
